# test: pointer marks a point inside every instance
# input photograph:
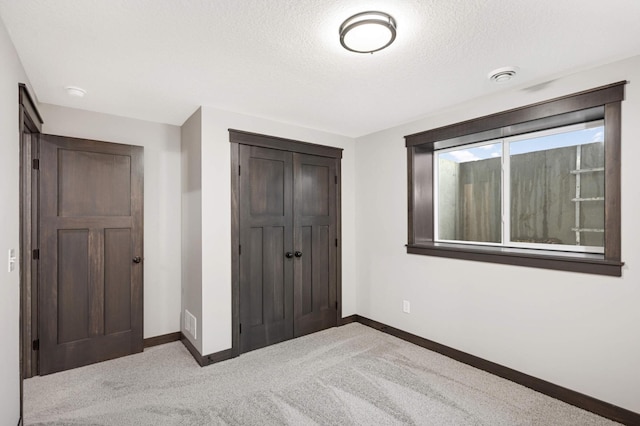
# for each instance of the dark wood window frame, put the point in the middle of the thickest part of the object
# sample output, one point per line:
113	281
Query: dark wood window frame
599	103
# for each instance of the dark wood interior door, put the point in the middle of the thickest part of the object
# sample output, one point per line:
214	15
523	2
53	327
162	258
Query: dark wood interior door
266	246
91	229
315	272
288	247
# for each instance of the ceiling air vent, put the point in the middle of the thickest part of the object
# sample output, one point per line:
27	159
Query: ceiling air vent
502	75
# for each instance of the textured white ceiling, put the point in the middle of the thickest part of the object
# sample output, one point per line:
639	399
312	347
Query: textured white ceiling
159	60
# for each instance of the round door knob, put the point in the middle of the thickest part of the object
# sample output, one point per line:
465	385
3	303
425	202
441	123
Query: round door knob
288	255
298	254
137	259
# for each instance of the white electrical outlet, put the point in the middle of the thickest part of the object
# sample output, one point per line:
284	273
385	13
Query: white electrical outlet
406	307
12	260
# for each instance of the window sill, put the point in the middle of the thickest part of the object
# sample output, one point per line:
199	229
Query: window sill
561	261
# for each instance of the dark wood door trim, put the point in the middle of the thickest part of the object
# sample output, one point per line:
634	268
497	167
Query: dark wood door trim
274	142
235	252
30	126
237	138
31	118
339	241
28	242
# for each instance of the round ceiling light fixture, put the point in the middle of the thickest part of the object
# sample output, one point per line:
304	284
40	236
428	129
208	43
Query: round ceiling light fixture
76	92
368	32
502	75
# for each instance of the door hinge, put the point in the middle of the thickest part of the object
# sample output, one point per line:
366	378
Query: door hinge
239	170
240	328
336	304
336	242
36	164
36	254
35	345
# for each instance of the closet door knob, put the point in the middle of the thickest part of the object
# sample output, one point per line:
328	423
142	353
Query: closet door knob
288	255
137	259
298	254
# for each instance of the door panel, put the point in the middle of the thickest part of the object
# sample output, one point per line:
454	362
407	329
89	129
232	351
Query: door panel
90	230
314	219
73	285
321	255
267	186
82	172
266	234
117	285
313	182
274	274
255	276
306	302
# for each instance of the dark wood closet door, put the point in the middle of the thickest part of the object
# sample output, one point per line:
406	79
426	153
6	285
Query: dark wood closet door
91	199
315	272
266	236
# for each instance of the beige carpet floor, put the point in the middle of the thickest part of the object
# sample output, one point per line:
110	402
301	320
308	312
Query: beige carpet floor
351	375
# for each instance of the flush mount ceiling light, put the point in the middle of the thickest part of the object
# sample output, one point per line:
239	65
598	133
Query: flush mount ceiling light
502	75
76	92
368	32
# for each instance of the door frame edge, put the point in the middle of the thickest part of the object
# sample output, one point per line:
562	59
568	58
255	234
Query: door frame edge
235	254
29	121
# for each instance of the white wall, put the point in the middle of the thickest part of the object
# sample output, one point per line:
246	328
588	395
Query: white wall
162	243
11	73
191	169
216	216
576	330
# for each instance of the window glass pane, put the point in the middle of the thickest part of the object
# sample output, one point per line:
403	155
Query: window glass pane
557	188
469	204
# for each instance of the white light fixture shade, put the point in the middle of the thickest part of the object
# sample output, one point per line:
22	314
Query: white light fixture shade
368	32
76	92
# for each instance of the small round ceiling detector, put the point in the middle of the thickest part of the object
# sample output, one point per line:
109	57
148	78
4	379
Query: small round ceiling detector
76	92
502	75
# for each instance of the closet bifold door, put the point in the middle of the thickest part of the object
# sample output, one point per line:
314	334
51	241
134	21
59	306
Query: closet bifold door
285	239
314	224
266	244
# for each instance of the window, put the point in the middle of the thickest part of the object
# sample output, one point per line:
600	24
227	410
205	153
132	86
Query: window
536	186
542	190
